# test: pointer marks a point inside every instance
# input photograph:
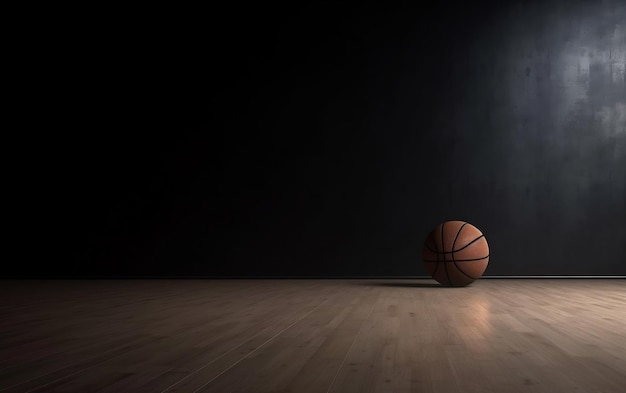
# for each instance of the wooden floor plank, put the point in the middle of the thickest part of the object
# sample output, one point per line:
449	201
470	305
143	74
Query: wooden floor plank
543	335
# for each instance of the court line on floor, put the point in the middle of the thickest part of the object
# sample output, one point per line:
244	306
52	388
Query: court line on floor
64	367
97	363
351	346
245	356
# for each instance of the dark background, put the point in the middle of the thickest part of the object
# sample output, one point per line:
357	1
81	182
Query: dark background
324	139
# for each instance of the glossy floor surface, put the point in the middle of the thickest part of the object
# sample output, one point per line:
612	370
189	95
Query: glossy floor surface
497	335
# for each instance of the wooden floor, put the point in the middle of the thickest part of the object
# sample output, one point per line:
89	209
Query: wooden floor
497	335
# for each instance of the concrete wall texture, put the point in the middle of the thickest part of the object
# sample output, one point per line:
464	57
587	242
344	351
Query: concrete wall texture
327	139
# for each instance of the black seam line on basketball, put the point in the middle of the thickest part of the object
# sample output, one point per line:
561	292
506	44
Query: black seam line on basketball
458	260
443	247
452	255
462	248
456	237
445	266
436	266
468	244
431	237
467	275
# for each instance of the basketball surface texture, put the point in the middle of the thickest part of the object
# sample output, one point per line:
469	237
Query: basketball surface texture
455	253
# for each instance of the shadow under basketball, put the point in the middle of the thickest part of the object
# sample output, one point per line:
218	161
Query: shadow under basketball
404	284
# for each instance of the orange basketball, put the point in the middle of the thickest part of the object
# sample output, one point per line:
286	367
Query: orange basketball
455	253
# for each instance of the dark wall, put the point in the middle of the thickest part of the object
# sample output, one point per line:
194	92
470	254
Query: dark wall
327	139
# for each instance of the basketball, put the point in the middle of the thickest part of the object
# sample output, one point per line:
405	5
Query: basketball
455	253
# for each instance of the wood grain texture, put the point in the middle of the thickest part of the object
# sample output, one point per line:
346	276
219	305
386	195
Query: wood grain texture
498	335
